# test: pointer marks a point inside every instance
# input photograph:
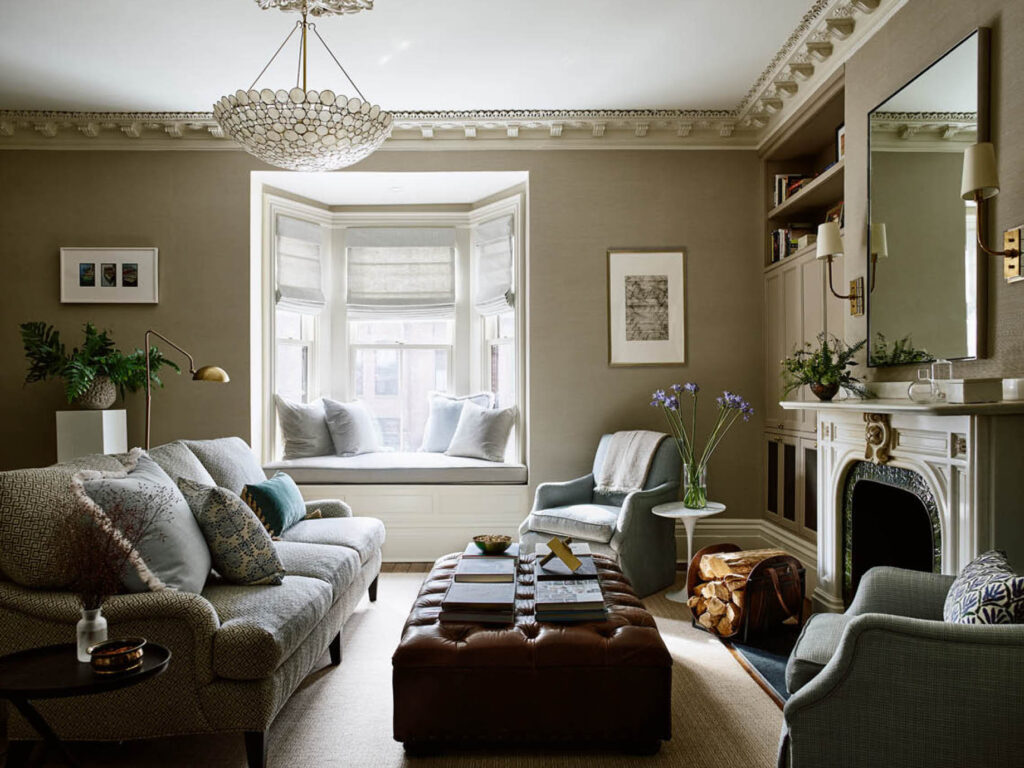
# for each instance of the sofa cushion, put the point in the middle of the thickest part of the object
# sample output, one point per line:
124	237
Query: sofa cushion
178	461
261	627
352	427
277	502
444	418
399	467
338	566
303	428
240	547
34	508
814	648
229	460
363	534
987	591
593	522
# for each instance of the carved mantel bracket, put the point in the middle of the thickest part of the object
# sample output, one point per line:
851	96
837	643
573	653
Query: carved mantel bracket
877	437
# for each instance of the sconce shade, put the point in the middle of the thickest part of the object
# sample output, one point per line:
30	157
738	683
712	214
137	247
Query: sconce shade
980	175
830	242
211	373
879	245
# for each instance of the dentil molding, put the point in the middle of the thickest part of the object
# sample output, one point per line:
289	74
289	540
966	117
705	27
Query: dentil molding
826	35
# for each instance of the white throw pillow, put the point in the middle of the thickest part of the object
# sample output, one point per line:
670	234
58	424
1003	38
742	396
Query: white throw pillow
445	411
304	429
482	433
351	427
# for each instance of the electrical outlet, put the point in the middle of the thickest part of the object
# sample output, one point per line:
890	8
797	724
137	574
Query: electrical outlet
1011	266
857	297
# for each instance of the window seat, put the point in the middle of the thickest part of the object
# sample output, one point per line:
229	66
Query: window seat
398	468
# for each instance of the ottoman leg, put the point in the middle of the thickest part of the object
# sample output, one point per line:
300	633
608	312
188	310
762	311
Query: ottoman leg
643	747
335	650
373	589
421	748
256	749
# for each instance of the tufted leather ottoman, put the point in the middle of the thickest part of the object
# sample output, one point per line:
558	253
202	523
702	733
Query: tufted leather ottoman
595	683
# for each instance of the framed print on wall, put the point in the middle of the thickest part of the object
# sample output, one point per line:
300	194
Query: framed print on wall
646	306
108	276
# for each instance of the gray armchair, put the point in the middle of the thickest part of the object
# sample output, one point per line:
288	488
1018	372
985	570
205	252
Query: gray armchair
619	525
890	683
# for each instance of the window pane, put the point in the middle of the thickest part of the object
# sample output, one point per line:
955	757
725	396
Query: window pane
503	375
292	372
289	325
507	325
423	371
385	377
390	433
376	372
401	331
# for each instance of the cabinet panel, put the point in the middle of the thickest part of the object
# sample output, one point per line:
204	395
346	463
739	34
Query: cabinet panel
792	329
773	327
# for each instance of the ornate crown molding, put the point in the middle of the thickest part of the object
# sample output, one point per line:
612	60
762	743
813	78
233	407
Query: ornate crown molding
923	131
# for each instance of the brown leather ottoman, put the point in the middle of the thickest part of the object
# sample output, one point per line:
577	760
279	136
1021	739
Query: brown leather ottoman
594	683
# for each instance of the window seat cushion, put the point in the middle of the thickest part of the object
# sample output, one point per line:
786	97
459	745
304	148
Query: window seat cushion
408	468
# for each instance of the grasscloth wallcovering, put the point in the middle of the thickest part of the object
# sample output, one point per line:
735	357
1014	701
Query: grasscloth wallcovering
194	206
916	36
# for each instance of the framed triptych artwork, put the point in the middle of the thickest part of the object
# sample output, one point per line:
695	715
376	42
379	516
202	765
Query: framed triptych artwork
108	276
646	306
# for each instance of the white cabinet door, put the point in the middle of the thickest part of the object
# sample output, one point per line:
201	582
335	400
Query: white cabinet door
773	349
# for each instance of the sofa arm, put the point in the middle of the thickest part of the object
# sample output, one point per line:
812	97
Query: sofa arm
578	491
961	683
901	592
328	508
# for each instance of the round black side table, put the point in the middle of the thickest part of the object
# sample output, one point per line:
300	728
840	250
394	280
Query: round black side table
54	672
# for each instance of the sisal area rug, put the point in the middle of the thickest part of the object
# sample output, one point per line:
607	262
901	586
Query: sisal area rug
342	716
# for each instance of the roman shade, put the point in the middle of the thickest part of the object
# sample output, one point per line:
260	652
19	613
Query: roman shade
408	272
297	255
492	266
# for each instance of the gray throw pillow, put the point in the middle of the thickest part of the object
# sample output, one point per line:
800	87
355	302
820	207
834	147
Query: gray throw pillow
303	428
444	418
178	461
241	548
229	460
173	553
482	433
351	427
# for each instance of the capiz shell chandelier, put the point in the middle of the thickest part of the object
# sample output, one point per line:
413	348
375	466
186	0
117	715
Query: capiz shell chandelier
300	129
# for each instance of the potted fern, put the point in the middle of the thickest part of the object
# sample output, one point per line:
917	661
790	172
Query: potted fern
824	369
94	373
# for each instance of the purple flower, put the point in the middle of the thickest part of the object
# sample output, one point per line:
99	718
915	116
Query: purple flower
676	388
658	399
672	403
691	387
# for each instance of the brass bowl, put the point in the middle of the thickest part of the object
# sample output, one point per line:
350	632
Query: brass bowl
492	544
112	657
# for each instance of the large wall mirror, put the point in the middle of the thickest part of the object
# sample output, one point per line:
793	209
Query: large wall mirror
925	280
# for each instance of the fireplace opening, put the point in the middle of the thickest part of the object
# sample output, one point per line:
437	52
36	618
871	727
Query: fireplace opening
890	518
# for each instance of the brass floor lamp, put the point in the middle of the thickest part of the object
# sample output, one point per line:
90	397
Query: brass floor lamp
205	373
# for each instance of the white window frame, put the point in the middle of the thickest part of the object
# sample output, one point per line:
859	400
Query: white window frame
307	339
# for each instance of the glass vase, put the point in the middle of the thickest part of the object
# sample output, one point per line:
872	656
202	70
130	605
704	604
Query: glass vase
695	486
91	629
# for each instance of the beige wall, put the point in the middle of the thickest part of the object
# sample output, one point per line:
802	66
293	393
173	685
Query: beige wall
194	206
916	36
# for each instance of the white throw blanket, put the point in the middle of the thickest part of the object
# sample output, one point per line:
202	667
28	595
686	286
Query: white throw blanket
627	461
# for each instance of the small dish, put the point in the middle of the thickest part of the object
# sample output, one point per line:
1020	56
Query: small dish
492	544
113	657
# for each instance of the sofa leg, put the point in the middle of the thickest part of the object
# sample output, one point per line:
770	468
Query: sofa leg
373	589
256	748
335	650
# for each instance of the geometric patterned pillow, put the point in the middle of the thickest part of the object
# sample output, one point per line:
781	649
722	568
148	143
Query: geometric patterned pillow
987	591
240	547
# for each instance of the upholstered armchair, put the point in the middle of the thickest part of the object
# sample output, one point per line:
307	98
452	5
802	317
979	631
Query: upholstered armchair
619	525
890	683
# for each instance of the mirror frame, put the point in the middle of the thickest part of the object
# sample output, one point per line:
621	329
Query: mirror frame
980	261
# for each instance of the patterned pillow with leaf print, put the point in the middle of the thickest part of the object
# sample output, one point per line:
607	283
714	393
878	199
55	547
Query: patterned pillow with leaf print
240	547
987	591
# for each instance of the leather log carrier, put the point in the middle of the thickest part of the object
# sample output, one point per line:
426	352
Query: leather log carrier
532	683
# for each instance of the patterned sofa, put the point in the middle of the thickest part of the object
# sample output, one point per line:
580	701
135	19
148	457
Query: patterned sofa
238	651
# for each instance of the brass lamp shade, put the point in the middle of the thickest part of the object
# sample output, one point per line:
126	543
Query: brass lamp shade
211	373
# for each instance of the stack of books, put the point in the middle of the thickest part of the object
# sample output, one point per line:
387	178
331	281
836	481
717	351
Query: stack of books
787	185
569	600
484	587
786	240
555	570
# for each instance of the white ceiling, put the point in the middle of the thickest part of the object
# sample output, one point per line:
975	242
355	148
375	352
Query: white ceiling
182	55
359	188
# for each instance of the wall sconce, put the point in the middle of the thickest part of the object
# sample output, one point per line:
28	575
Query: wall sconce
879	250
830	245
980	182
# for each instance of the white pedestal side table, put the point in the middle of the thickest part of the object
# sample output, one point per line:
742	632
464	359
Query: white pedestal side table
80	433
677	510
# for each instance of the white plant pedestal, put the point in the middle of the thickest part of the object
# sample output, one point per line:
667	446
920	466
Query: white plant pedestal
80	433
676	510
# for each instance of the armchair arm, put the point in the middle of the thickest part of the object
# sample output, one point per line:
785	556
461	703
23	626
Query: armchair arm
329	508
959	684
637	506
578	491
900	592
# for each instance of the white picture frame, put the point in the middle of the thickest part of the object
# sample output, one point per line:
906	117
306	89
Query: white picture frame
109	276
646	306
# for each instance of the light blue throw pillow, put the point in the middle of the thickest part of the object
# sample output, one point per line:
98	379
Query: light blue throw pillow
351	427
445	411
173	552
987	591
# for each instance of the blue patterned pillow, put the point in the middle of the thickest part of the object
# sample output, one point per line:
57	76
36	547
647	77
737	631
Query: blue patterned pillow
987	591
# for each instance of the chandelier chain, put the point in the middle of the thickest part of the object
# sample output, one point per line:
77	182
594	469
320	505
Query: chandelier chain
279	48
328	48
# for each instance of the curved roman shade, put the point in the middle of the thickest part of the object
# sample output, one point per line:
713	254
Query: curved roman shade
299	268
493	249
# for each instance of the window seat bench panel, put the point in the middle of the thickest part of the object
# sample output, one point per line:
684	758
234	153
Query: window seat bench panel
399	468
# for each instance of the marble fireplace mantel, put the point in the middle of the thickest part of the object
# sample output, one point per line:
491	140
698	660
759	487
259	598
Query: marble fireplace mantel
971	456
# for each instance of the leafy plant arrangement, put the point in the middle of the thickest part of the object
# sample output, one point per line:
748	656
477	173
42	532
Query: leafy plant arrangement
825	369
695	459
902	352
96	358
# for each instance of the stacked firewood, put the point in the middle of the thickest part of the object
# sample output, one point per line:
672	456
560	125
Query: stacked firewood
717	600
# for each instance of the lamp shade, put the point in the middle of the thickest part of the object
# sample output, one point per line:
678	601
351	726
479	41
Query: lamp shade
980	175
830	242
211	373
879	245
